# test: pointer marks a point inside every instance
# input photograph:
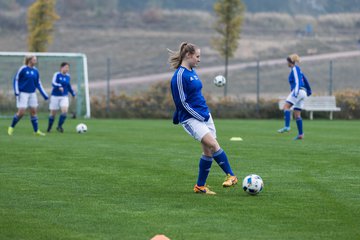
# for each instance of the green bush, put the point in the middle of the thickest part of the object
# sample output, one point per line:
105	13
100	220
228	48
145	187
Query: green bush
157	103
349	102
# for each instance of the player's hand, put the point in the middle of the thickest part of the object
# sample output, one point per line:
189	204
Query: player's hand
61	89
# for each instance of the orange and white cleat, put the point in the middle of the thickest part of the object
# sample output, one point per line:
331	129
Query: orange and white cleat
203	189
230	181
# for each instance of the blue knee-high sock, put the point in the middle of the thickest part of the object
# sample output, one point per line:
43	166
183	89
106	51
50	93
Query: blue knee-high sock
62	119
204	169
15	120
34	122
299	125
51	122
287	116
221	159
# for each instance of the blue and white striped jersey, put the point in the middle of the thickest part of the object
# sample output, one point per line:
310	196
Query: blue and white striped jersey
61	80
296	80
186	92
27	79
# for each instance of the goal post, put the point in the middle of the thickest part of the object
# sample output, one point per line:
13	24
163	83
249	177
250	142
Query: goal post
48	64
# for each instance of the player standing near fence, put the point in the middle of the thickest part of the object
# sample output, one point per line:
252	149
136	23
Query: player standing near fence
59	96
299	88
194	115
26	81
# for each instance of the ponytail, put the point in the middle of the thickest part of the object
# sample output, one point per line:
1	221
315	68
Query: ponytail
176	58
293	58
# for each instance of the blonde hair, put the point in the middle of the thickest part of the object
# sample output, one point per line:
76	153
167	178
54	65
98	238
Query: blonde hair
293	58
176	57
28	58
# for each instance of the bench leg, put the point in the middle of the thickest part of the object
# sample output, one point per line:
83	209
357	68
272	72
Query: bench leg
331	115
311	115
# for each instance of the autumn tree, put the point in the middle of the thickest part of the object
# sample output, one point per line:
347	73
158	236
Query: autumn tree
230	15
40	20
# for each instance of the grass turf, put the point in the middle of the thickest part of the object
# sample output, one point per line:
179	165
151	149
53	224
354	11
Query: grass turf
133	179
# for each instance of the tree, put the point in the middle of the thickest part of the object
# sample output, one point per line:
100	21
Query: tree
230	15
41	18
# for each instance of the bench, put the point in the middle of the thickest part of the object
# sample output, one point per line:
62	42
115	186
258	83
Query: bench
317	104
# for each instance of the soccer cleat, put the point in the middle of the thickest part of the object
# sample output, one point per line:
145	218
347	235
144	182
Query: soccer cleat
299	137
39	133
230	181
284	129
10	131
203	189
60	129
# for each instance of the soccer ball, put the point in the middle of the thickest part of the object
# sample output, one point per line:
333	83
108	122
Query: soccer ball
253	184
81	128
219	81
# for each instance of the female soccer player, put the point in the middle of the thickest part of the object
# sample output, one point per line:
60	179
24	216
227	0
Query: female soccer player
296	97
59	96
194	115
26	80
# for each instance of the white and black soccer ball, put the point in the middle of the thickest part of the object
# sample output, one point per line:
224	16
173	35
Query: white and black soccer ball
81	128
253	184
219	81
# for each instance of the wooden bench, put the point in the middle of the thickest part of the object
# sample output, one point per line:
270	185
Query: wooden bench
317	104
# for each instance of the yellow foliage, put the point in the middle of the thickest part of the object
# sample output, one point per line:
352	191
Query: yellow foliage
230	16
41	18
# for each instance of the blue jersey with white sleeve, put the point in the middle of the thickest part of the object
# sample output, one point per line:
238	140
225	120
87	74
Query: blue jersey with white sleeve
186	92
296	80
61	81
27	79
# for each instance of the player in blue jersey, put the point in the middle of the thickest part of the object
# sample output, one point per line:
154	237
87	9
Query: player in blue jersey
26	81
194	115
296	97
59	96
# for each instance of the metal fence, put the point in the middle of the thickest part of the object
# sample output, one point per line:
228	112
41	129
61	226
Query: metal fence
269	79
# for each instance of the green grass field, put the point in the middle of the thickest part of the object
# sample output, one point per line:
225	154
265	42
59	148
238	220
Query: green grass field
133	179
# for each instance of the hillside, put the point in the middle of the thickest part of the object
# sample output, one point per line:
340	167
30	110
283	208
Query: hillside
309	7
136	42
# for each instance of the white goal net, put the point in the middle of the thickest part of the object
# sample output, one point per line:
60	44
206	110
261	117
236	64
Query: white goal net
48	64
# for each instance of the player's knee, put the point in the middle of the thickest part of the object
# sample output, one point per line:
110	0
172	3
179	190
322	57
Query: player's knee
287	107
20	113
210	145
214	147
297	114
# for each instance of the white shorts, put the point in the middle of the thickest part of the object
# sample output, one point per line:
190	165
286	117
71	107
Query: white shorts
297	102
57	102
198	129
25	100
